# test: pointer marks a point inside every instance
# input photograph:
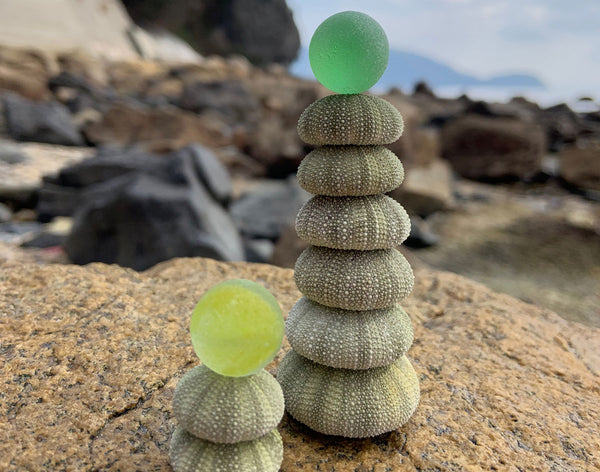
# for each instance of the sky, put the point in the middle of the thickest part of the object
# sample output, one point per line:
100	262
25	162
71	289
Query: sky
558	41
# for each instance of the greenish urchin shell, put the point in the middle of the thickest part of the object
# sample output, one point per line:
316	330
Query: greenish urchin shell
364	223
227	409
340	171
353	280
348	339
349	403
350	119
188	453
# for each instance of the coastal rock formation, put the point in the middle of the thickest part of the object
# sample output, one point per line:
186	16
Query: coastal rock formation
348	375
90	358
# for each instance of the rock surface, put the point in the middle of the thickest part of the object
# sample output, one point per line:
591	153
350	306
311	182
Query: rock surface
46	122
544	251
493	148
262	30
140	218
91	356
580	166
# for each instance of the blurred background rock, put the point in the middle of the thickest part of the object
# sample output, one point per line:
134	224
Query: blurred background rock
135	132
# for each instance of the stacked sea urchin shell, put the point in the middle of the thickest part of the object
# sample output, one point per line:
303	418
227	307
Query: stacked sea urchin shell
226	423
348	374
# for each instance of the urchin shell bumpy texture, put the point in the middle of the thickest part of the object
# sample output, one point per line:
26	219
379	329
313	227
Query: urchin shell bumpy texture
350	403
227	409
347	373
340	171
364	223
191	454
350	119
348	339
226	423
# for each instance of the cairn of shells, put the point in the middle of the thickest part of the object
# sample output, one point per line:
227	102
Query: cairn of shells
226	423
347	373
229	407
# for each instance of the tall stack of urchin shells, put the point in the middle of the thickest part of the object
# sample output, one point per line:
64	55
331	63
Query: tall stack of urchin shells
226	423
347	373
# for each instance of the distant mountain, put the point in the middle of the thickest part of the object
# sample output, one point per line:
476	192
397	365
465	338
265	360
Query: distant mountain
405	69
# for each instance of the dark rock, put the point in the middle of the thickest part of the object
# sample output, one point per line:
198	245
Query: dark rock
11	154
211	172
262	30
267	211
562	125
230	99
423	88
421	235
62	195
44	240
484	148
47	122
56	200
258	250
580	166
138	220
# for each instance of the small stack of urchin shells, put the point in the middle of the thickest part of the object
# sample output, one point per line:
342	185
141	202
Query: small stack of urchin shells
226	423
348	374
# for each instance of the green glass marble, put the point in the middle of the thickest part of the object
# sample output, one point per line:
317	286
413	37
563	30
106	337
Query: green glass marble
237	328
349	52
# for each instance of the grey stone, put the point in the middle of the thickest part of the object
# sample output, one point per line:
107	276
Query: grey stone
11	153
267	211
45	122
137	220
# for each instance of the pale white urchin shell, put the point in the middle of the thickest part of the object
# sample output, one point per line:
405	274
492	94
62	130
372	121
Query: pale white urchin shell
188	453
365	223
353	280
340	171
227	409
349	403
350	119
348	339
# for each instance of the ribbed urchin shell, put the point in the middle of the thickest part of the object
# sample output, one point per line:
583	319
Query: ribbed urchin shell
365	223
350	119
348	339
350	171
353	280
227	409
188	453
350	403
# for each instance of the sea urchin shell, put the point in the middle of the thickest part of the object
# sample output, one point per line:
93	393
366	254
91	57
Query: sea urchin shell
353	280
341	171
227	409
350	119
350	403
348	339
188	453
365	223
